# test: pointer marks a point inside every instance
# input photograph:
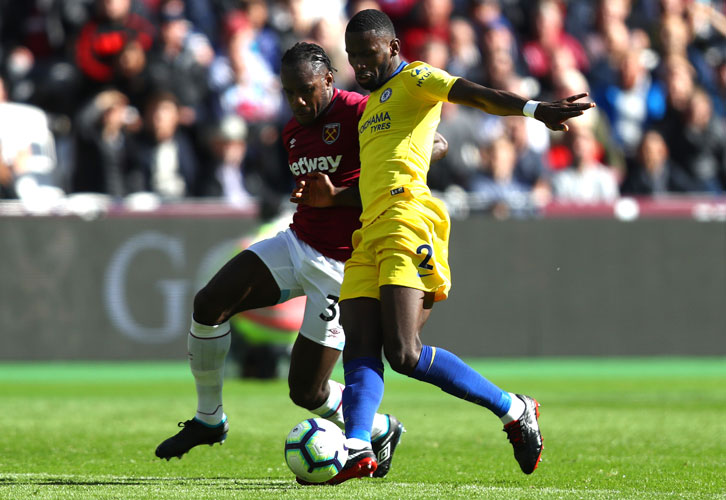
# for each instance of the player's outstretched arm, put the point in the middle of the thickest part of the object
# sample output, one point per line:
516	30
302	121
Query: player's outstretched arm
503	103
316	190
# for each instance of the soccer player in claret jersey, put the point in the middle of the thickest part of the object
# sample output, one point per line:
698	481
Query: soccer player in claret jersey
399	266
308	258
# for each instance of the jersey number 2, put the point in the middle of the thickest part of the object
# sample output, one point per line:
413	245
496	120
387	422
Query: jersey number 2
428	254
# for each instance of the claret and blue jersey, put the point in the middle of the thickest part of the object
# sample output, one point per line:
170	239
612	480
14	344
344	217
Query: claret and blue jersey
330	146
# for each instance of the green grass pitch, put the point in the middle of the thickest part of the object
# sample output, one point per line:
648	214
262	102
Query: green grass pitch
613	429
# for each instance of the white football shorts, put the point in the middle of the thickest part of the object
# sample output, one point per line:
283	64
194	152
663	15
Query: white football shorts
299	269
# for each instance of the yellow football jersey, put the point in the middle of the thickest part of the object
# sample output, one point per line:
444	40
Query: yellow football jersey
396	136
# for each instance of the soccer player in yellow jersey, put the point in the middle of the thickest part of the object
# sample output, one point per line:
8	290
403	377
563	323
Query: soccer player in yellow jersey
399	266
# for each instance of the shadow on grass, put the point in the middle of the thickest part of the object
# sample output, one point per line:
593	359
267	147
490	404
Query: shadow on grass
227	483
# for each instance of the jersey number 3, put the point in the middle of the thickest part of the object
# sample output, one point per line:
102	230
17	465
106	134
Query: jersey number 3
332	310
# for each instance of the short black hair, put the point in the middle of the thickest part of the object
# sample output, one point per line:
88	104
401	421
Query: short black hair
371	20
308	52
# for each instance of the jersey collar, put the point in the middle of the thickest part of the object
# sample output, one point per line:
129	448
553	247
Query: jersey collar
398	70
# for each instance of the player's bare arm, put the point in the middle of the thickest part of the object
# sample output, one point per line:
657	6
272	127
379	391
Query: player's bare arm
316	190
503	103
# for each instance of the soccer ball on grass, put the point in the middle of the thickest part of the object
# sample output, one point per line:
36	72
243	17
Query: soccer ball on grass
315	450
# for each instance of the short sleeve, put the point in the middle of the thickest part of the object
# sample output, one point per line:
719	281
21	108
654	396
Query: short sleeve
426	82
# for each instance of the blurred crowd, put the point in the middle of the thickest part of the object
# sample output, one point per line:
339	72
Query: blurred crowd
177	99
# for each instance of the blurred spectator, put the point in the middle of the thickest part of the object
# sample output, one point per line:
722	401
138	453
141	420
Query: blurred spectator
607	54
516	14
706	23
495	186
266	41
675	40
672	7
589	21
27	152
164	153
101	137
355	6
435	52
244	81
583	20
530	167
112	48
329	33
7	179
699	150
36	35
549	35
499	73
587	180
651	172
396	9
678	74
429	21
500	69
680	85
229	148
569	83
487	13
205	16
267	174
179	62
497	37
293	20
719	97
499	25
465	57
463	158
633	103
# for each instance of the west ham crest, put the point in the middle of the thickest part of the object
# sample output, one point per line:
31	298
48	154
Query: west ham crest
331	132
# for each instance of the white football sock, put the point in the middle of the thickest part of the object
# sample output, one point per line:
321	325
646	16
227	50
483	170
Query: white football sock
208	346
332	410
380	426
356	444
515	411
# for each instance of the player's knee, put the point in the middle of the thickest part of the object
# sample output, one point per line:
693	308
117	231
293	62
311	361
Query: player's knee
402	359
206	309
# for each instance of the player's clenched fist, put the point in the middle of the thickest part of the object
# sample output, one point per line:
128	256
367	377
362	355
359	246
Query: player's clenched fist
315	190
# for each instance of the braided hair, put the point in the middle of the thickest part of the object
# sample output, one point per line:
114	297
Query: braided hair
371	20
308	52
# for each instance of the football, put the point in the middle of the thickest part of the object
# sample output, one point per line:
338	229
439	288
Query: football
315	450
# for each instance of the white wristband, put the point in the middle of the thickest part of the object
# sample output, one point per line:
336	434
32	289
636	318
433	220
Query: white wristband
529	108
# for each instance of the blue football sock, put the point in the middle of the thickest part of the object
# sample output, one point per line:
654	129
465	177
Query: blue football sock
445	370
362	396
